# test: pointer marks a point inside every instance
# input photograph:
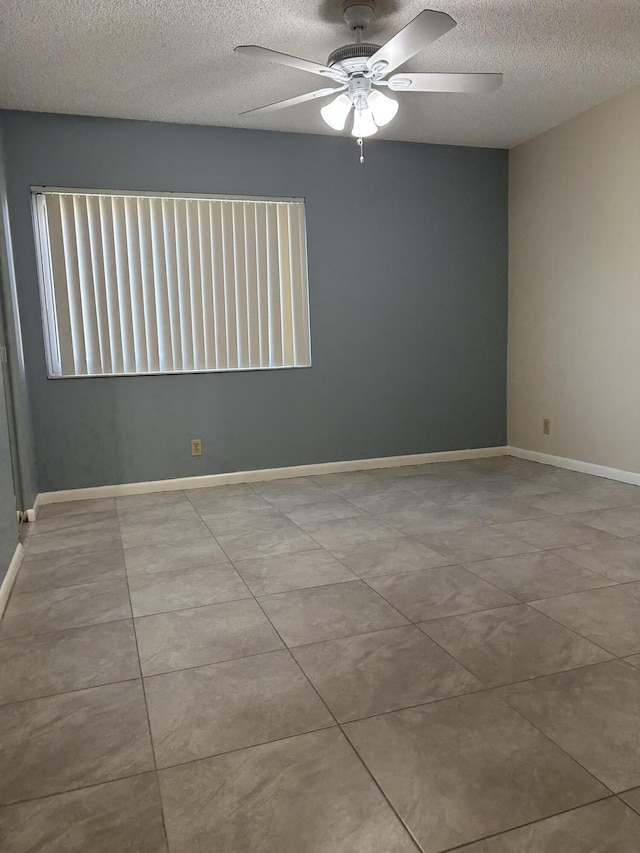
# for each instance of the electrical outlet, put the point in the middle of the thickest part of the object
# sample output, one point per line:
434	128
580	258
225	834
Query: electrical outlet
196	447
546	426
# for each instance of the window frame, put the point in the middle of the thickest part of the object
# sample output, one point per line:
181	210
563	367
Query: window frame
47	305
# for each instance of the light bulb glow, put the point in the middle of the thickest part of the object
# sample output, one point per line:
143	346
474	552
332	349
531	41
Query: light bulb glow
335	114
382	107
363	123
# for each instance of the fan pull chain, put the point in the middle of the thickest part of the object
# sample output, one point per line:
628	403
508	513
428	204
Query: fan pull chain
361	144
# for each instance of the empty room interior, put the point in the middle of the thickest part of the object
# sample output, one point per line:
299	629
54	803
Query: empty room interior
320	426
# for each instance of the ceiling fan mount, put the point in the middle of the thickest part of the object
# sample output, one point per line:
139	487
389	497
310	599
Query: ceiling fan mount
358	15
361	69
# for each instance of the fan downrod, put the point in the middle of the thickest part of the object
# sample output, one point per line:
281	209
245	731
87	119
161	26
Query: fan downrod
351	58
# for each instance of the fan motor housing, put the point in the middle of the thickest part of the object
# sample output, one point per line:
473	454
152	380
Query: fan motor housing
352	57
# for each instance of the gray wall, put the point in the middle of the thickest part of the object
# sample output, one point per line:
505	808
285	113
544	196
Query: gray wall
8	527
8	339
408	280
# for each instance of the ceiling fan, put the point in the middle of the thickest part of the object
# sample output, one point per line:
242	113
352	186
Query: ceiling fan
361	69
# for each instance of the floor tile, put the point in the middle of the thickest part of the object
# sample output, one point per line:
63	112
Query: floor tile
563	503
609	617
537	575
307	794
58	569
67	607
604	827
613	493
72	509
391	500
437	492
354	483
620	521
164	532
327	612
215	502
44	664
511	644
498	509
417	522
116	816
225	521
281	537
437	592
268	575
133	503
308	515
219	494
204	635
56	523
383	671
519	490
618	559
199	712
632	798
478	543
562	479
285	494
181	589
389	557
183	555
478	765
592	713
160	513
72	740
553	532
83	539
350	531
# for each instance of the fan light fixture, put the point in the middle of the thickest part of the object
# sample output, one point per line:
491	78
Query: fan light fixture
363	122
335	114
383	108
359	70
372	110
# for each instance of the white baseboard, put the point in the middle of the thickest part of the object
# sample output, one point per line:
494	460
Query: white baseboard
576	465
10	578
31	513
315	469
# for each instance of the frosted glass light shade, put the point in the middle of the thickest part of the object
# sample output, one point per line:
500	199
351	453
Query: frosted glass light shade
335	113
363	123
382	107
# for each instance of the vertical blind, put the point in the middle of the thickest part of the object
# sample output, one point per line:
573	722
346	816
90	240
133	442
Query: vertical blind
161	284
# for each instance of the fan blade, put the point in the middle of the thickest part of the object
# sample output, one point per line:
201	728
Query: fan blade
471	83
293	61
424	29
299	99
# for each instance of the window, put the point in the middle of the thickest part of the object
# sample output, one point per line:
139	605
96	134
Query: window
137	283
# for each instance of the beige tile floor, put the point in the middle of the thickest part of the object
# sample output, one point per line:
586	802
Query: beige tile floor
424	658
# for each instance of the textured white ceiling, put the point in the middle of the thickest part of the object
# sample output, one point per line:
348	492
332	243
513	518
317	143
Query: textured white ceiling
172	60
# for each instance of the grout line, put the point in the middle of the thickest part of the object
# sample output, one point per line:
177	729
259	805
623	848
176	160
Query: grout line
552	741
381	790
292	656
504	832
135	678
150	675
214	755
4	806
146	708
